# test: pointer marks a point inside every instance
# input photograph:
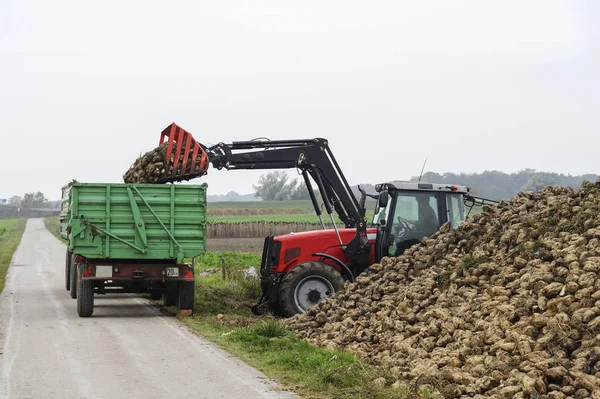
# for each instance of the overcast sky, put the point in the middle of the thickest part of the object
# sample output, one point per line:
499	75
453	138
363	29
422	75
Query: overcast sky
469	85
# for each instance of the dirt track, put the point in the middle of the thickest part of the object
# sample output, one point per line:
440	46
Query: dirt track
126	349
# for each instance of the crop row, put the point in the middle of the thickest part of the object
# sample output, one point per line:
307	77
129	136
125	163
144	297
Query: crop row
258	229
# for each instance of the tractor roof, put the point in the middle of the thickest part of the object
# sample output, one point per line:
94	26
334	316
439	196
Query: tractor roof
421	186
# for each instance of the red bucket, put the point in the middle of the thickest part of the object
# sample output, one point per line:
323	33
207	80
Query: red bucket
187	158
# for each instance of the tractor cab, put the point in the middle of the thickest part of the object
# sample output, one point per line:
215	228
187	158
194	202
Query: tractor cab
407	212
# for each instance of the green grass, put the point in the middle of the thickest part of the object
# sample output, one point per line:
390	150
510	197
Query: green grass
233	296
53	226
233	260
311	371
11	231
222	314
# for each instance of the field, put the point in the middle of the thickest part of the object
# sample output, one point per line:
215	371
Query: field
305	206
272	217
11	231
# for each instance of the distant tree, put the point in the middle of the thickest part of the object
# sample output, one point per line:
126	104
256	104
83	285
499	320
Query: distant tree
274	186
34	200
300	192
15	200
539	182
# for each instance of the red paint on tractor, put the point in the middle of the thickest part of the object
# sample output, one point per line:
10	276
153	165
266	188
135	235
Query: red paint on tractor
318	241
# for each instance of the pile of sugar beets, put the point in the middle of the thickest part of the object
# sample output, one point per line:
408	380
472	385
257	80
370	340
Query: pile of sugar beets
506	306
153	166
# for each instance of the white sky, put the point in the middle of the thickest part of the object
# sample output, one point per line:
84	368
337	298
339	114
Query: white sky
470	85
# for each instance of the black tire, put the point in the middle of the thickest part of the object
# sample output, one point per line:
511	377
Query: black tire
85	293
73	277
155	296
170	297
324	278
68	271
185	295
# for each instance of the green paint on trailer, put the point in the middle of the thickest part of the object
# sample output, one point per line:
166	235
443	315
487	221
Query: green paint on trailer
135	221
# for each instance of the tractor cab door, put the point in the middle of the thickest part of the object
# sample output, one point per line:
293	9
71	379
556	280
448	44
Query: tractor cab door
416	215
411	216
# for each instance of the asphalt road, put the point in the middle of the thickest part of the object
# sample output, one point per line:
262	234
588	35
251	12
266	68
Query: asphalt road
127	349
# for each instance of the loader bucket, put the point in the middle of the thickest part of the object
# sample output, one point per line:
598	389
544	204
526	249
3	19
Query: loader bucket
188	158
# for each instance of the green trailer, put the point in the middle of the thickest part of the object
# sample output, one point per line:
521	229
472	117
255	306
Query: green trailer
132	238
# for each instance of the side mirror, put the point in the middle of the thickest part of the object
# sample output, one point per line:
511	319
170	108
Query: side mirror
384	199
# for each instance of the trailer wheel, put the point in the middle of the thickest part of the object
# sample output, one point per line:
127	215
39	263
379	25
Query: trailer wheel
185	295
85	296
73	277
306	285
68	270
155	296
170	297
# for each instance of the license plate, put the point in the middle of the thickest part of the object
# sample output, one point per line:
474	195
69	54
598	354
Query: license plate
172	272
104	271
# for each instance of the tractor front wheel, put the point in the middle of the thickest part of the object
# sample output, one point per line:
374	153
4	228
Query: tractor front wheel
306	285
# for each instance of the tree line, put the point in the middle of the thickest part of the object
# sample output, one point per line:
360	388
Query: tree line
499	185
31	200
29	205
492	184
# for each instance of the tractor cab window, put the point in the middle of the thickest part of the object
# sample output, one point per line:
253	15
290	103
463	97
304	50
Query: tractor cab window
415	217
456	209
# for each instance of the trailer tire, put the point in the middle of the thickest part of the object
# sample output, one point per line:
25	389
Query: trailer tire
85	296
185	295
73	277
170	298
306	285
155	296
68	270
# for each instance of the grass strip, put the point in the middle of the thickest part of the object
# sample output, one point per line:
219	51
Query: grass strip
11	231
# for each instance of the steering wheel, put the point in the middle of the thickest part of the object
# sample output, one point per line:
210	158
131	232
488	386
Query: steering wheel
404	224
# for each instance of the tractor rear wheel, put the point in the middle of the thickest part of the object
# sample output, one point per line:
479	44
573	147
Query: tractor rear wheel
306	285
68	270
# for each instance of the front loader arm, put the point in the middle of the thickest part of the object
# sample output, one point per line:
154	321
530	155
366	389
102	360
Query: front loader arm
312	157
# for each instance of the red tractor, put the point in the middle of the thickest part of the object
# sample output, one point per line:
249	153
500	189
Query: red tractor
299	270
